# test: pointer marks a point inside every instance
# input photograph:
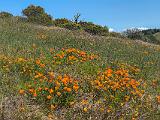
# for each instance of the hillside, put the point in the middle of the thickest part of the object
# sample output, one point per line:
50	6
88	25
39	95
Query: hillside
157	35
149	35
21	40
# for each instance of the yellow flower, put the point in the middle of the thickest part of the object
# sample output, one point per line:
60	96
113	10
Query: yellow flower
85	109
84	102
108	110
57	87
127	98
53	107
21	60
58	93
51	74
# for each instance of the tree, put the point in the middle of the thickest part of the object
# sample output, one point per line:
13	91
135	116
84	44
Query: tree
37	14
76	17
5	15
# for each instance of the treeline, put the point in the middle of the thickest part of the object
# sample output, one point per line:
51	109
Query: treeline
37	15
145	35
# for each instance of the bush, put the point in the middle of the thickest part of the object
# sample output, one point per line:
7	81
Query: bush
94	29
5	15
72	26
86	26
65	23
61	21
37	14
115	34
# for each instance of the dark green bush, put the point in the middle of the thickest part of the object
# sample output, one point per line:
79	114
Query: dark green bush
115	34
68	24
36	14
71	26
93	28
61	21
5	15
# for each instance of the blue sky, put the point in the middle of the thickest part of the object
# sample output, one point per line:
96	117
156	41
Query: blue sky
116	14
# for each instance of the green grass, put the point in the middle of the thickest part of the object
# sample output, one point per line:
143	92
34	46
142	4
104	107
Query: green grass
17	39
157	35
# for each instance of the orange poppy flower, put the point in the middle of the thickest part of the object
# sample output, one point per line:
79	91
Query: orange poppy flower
158	99
42	65
21	91
65	88
45	88
38	61
49	97
68	89
51	91
65	80
31	90
35	94
39	89
76	87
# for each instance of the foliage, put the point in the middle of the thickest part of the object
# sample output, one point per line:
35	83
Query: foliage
72	26
118	86
93	29
145	35
61	21
86	26
28	54
5	15
37	15
76	17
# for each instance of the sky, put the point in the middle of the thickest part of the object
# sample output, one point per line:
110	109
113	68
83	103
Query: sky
118	15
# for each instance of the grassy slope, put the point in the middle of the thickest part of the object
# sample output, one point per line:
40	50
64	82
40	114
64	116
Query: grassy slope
157	35
16	38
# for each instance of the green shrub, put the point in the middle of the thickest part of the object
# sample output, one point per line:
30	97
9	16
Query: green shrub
68	24
94	29
72	26
37	14
61	21
5	15
115	34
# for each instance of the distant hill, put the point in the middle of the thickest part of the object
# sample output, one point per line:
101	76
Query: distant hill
149	35
157	35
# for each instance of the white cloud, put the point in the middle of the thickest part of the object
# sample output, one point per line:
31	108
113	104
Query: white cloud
139	28
143	28
111	29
